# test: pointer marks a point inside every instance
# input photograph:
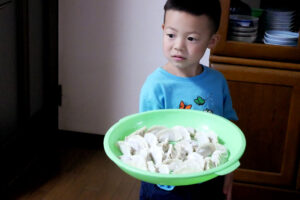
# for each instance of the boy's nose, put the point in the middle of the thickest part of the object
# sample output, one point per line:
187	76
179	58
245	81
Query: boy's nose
179	44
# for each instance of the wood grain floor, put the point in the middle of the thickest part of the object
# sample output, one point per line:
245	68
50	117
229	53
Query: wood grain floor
85	173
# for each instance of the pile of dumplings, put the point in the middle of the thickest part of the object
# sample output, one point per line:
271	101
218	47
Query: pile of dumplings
175	150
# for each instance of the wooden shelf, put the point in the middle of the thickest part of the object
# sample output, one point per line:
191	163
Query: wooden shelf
254	62
251	50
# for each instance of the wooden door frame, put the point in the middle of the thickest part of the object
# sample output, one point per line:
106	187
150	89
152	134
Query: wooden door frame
17	177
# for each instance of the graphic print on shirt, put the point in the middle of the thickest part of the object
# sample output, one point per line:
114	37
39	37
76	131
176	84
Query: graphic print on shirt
183	106
199	101
208	110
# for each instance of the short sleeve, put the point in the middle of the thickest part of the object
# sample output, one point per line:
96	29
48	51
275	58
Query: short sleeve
151	97
228	111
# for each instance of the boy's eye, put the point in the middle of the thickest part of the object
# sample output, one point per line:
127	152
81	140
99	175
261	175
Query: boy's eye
170	35
191	39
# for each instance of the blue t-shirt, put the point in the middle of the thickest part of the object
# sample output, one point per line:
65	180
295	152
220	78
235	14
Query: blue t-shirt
207	91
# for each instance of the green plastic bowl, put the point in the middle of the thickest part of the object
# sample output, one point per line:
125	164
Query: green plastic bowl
229	135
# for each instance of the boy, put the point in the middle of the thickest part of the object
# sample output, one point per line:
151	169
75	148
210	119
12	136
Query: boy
189	28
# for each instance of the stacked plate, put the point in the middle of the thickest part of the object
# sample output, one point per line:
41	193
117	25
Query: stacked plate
242	28
284	20
278	37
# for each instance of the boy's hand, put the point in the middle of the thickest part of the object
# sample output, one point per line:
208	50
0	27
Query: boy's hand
227	188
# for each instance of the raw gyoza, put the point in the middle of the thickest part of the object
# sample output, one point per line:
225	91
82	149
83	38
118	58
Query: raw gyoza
175	150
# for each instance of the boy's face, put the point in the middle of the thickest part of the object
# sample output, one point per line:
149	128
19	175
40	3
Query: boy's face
186	37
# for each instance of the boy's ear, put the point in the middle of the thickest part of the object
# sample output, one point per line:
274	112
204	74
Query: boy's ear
213	40
163	26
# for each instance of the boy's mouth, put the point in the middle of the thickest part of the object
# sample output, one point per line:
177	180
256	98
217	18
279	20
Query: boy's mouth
178	57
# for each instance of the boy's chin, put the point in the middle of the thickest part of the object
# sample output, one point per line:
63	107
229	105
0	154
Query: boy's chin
177	65
181	66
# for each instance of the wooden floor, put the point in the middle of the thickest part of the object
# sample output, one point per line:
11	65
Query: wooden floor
85	173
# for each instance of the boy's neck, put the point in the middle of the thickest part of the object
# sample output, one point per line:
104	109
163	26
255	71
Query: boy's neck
184	72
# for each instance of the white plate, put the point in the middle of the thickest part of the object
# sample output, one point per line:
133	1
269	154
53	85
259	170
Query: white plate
279	41
280	12
279	28
276	34
280	18
266	42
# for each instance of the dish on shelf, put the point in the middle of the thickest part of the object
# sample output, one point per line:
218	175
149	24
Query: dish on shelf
280	12
243	28
284	38
283	35
276	19
245	34
248	39
279	43
243	20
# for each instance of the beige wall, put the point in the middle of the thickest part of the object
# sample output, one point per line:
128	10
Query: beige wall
106	50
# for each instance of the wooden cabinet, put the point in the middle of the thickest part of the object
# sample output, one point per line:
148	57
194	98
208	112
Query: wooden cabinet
264	82
267	103
254	50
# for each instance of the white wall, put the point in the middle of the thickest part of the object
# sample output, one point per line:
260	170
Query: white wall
106	50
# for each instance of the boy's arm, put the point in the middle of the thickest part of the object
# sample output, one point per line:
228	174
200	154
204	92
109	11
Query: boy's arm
230	114
227	188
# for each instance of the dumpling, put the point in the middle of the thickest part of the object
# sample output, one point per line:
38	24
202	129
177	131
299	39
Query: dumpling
136	142
136	161
219	157
212	136
155	129
173	164
140	131
150	166
175	150
186	146
206	149
125	148
169	155
164	169
192	164
192	131
201	138
163	135
221	148
156	154
151	139
209	164
180	133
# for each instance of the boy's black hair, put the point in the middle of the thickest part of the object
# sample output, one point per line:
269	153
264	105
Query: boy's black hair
210	8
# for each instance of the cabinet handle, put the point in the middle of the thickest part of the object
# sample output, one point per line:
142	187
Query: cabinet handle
4	4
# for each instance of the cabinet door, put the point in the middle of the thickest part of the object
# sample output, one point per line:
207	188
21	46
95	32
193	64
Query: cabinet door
28	96
8	70
267	103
